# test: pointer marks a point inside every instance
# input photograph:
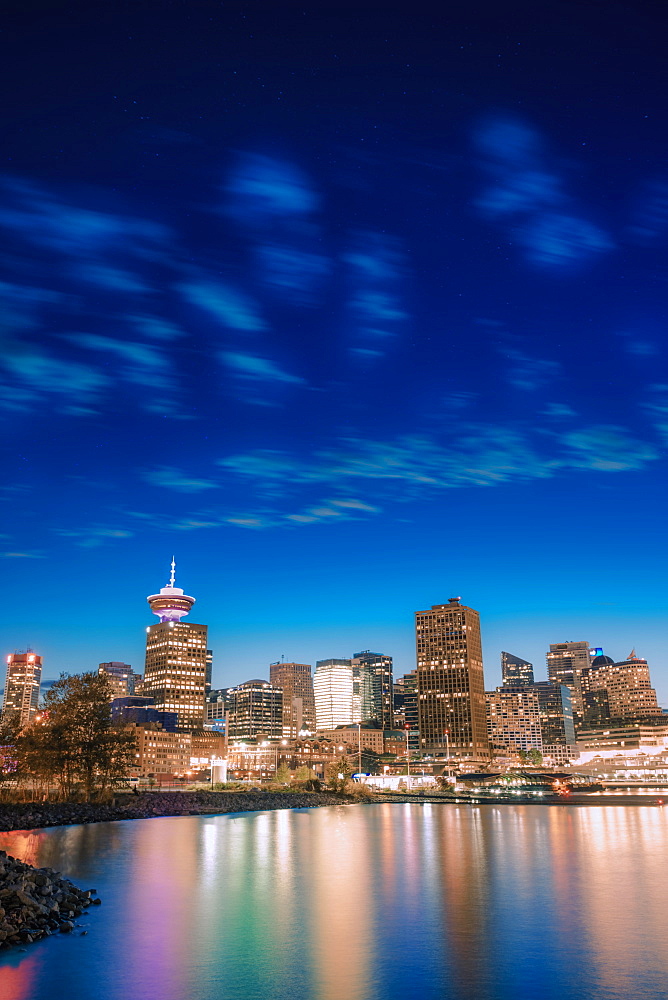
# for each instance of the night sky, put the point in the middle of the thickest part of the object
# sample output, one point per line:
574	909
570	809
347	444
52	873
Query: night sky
351	307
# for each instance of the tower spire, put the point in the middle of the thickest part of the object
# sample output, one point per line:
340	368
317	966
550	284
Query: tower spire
171	604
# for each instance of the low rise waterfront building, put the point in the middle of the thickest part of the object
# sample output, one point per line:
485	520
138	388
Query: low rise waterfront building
160	754
650	735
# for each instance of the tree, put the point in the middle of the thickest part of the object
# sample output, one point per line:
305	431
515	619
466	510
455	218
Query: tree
341	767
305	773
9	736
76	740
283	774
535	757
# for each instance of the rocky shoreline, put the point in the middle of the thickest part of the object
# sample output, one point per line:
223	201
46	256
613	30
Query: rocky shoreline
37	902
36	815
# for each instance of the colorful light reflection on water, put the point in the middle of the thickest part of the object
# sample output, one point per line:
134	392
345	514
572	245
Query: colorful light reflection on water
359	903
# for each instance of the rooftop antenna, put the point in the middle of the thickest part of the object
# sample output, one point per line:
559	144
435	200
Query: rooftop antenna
172	575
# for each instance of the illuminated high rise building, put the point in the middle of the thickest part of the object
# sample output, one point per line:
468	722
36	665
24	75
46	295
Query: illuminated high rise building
450	682
176	657
256	709
379	668
24	675
620	691
333	691
406	707
515	670
121	678
565	663
296	683
513	719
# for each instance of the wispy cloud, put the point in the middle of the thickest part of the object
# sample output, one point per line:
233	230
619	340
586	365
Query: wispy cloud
529	373
524	191
231	307
606	448
255	369
52	376
22	555
45	220
116	279
170	478
94	535
375	274
261	188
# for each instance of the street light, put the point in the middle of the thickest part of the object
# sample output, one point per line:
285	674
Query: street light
408	759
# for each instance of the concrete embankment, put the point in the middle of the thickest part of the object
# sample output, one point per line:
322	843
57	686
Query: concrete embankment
36	902
34	815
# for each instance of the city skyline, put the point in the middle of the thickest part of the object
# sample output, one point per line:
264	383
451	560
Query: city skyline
349	319
247	665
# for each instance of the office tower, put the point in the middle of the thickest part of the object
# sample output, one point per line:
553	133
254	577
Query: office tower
513	719
514	670
382	692
216	706
333	692
296	683
256	709
121	677
362	692
209	671
176	657
620	691
406	707
141	712
565	663
450	682
24	674
556	717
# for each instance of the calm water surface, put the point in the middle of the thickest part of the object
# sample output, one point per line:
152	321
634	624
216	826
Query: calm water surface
359	903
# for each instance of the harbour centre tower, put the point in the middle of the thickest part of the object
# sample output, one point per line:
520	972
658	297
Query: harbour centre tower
176	657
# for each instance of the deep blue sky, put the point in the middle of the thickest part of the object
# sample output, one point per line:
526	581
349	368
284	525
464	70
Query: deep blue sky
352	307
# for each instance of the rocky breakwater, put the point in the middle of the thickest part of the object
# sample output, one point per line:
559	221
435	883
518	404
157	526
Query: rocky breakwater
36	902
33	815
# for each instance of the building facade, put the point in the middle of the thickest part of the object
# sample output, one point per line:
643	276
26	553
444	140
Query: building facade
255	709
450	681
22	683
617	691
515	670
565	663
379	667
513	720
406	707
176	658
333	693
121	677
142	712
296	683
216	706
556	719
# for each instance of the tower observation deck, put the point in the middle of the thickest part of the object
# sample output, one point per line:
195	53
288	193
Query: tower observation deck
171	604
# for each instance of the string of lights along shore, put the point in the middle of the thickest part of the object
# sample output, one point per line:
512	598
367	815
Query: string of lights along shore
438	712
